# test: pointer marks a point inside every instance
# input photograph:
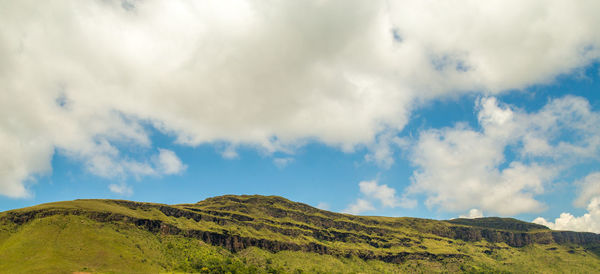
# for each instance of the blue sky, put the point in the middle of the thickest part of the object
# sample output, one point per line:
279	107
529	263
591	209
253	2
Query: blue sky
364	109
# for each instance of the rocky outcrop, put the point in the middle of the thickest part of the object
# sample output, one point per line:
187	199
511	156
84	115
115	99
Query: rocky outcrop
580	238
499	223
512	238
313	230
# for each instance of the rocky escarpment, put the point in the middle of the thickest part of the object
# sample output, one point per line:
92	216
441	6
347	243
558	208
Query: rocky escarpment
580	238
511	231
516	233
499	223
511	238
223	238
276	224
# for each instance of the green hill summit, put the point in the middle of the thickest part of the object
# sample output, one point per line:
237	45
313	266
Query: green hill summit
270	234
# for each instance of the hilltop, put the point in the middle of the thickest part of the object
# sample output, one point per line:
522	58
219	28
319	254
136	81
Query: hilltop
256	234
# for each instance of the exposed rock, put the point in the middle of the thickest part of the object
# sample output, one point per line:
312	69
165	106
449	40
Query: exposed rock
299	221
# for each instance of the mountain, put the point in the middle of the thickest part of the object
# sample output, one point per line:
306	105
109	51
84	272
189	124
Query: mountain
270	234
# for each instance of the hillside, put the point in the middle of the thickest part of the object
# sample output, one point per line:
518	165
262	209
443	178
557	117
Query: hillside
256	234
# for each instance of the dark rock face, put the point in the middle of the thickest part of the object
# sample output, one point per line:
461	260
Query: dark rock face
322	226
237	243
499	223
570	237
514	239
520	239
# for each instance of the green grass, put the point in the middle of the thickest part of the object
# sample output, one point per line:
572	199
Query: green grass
73	238
63	244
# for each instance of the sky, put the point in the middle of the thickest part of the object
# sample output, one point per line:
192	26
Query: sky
430	109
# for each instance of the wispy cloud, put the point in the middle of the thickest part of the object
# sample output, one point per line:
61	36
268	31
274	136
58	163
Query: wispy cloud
283	162
121	189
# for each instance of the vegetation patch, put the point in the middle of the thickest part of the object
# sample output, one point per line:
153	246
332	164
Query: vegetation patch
258	234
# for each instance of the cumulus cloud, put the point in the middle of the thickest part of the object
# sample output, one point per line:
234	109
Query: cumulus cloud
589	188
359	206
459	168
385	195
79	77
589	222
473	213
168	163
496	45
589	194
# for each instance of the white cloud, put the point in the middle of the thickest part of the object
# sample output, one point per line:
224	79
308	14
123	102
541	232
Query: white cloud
165	162
496	45
384	194
229	153
382	150
460	168
121	189
359	206
589	222
110	164
589	195
323	206
283	162
139	169
168	163
78	77
473	213
589	188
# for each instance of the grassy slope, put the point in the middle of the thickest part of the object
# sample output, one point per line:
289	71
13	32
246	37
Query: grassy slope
67	243
70	243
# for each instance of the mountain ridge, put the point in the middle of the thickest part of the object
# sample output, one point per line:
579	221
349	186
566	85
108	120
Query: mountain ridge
275	224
